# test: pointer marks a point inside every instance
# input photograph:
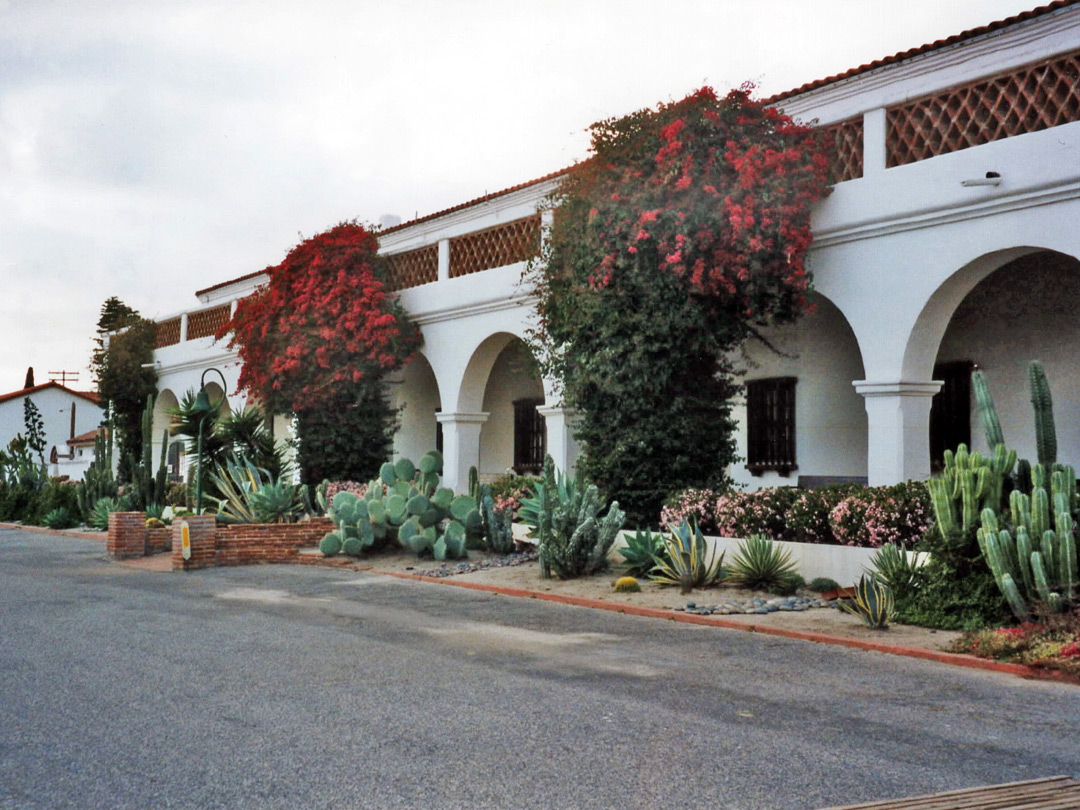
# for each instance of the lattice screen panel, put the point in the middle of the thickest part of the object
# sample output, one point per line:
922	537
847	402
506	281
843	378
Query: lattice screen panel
167	333
845	142
1026	100
414	267
496	247
206	322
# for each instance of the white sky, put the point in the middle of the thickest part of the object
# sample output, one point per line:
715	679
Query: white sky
152	148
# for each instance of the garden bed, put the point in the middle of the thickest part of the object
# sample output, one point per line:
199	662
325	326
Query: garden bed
526	577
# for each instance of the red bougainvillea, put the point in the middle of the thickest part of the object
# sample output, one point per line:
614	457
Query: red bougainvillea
324	324
717	191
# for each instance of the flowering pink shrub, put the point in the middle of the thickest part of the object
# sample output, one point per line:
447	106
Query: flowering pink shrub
691	505
355	487
741	514
850	515
808	515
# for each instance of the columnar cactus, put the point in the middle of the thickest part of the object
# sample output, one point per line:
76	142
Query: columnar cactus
987	411
1045	436
968	484
1035	561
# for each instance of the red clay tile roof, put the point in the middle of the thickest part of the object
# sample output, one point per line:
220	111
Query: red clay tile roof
90	395
88	437
931	46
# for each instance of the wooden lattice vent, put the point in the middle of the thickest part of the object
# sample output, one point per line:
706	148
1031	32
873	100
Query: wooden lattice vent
413	267
167	332
1024	100
844	142
206	322
513	242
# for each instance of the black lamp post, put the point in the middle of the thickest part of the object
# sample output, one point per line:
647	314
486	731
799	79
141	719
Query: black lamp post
202	409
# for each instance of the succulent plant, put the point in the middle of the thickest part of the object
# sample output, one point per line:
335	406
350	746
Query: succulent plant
873	603
641	550
626	585
761	564
686	562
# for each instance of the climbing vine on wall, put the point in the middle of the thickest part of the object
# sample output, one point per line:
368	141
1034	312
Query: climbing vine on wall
684	233
323	333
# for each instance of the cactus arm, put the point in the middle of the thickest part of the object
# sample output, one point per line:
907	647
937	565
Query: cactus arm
1045	435
991	424
1016	604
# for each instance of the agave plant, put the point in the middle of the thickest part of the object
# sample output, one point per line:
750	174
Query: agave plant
565	490
873	603
98	517
641	550
60	518
895	568
278	502
686	562
761	564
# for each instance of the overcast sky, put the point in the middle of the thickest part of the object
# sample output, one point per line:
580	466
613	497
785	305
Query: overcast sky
150	149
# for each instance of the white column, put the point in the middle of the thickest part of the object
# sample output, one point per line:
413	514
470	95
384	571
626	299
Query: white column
183	327
444	259
874	147
898	429
461	446
561	445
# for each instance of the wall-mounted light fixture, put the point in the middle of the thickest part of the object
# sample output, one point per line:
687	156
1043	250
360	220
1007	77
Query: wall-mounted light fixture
991	179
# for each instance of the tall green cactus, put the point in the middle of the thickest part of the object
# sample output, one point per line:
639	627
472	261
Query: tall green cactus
1045	436
573	540
968	484
1036	561
987	411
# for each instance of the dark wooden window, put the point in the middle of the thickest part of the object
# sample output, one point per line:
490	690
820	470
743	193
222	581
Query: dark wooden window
530	436
172	461
438	431
770	424
950	410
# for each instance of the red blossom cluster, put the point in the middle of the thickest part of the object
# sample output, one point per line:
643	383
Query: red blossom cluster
323	324
718	190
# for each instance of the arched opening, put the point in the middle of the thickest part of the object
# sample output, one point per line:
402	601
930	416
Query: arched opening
1025	310
416	393
514	436
163	420
802	422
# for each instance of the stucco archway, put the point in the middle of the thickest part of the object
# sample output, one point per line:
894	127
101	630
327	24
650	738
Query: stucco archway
1023	310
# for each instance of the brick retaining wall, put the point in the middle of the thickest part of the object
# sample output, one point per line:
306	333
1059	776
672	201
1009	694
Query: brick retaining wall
244	544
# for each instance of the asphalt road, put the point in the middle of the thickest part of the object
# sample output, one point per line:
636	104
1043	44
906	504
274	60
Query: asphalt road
297	687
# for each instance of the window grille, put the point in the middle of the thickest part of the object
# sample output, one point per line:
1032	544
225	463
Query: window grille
770	422
530	436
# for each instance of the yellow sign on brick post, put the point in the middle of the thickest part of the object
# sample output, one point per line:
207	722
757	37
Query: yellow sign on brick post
185	540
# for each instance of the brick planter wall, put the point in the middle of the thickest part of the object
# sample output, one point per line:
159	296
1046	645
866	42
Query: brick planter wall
248	543
244	543
127	535
158	540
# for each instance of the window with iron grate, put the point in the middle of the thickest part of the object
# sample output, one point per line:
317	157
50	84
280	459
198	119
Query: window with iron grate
770	425
530	436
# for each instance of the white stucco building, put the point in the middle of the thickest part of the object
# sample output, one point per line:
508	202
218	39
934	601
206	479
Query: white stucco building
951	238
65	414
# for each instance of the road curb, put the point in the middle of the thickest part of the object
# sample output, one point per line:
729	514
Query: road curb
59	532
941	657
